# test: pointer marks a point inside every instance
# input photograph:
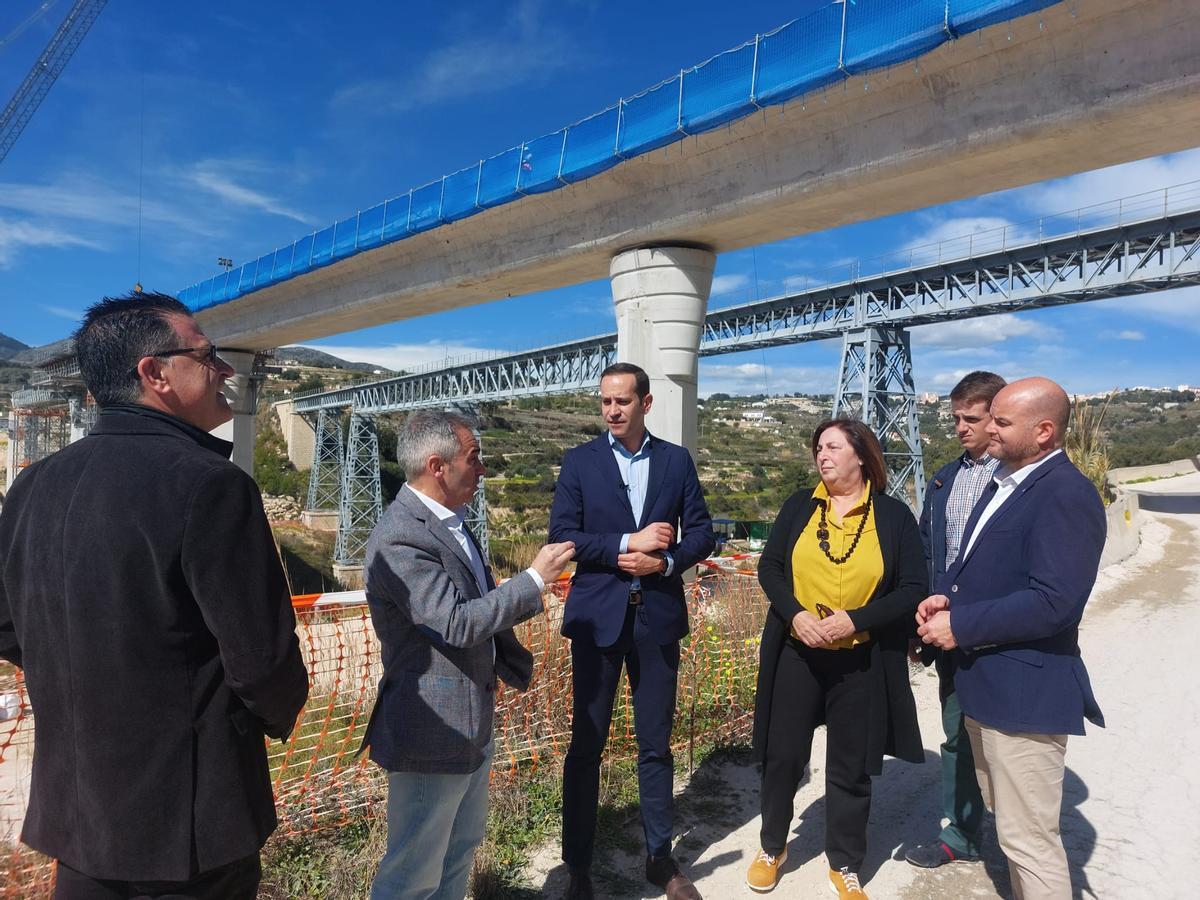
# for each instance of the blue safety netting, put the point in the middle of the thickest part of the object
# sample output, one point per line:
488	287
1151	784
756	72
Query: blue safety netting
846	37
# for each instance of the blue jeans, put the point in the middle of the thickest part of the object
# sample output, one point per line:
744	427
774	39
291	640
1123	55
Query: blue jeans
435	822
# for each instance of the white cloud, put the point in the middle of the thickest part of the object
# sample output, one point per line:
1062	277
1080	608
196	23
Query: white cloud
84	199
1178	309
16	236
1141	180
727	284
755	378
955	238
1126	335
524	51
215	177
408	357
62	312
979	333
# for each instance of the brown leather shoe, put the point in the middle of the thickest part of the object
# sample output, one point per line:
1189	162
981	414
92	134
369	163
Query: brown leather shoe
580	887
664	873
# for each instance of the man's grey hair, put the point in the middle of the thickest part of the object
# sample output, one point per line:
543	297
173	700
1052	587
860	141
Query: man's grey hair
426	433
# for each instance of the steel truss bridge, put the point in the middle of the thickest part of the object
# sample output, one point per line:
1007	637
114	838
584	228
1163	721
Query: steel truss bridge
1145	244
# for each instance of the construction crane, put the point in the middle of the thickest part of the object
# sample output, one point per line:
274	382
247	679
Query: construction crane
45	71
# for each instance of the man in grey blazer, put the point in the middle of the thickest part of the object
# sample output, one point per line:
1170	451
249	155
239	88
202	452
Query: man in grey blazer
446	631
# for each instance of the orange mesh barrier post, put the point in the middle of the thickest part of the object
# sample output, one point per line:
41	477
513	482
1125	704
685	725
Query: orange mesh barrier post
320	781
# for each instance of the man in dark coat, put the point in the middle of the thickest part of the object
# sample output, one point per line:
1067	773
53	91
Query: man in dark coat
142	594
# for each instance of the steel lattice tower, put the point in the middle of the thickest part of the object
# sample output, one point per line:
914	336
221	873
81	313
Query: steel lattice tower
475	518
875	384
325	477
361	501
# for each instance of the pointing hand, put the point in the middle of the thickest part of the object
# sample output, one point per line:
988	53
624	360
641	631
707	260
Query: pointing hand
552	559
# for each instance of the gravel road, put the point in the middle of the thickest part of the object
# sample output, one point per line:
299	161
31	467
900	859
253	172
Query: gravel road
1131	812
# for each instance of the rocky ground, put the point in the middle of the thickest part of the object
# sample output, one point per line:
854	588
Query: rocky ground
1131	811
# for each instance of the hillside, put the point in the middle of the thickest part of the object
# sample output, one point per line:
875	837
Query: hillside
307	356
10	347
752	451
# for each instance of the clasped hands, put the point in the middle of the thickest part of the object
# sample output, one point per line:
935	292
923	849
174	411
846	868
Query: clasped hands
644	551
816	633
933	622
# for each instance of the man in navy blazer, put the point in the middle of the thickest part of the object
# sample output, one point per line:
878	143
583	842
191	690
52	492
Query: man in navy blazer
620	499
1011	605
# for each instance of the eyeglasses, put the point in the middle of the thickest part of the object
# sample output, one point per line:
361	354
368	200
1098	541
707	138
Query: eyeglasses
210	353
209	358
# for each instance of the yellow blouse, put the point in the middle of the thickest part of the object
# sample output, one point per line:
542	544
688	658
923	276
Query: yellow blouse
815	579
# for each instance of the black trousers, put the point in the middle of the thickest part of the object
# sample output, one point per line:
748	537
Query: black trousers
237	880
653	671
811	686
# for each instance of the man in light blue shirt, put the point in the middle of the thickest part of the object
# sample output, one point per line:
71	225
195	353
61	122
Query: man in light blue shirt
621	499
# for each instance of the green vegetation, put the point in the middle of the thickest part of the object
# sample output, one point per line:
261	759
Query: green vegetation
307	557
273	470
335	863
1086	446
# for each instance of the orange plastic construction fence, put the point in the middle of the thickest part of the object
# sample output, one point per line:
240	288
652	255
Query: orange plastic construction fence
320	779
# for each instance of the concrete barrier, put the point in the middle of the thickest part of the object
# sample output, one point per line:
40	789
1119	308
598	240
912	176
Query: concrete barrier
1172	487
1124	528
1118	477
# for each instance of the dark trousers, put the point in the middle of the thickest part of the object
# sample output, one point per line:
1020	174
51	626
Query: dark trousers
653	671
961	800
812	686
237	880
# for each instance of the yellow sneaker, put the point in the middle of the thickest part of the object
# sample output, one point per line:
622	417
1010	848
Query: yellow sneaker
764	871
845	884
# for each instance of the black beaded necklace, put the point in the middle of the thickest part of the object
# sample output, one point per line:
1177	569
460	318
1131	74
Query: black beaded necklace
823	534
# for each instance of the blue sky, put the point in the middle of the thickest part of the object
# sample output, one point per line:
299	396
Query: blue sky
244	126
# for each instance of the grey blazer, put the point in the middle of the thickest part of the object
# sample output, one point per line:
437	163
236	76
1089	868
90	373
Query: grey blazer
443	643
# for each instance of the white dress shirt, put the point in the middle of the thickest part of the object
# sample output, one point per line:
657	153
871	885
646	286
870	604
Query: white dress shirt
453	520
1006	483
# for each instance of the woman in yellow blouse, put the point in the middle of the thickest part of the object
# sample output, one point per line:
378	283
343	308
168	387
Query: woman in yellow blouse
844	570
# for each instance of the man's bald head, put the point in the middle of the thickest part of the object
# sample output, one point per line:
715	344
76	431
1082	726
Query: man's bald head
1029	421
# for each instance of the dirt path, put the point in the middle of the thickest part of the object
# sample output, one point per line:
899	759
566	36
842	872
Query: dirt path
1131	813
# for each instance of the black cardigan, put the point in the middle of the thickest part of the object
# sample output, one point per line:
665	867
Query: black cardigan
889	616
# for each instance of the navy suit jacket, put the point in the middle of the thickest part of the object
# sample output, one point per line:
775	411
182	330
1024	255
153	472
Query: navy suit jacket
591	507
933	537
1016	600
933	518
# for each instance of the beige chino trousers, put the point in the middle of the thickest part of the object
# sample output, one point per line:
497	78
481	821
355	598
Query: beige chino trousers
1021	779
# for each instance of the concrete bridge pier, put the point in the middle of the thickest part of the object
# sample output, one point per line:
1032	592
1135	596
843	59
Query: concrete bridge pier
661	298
242	393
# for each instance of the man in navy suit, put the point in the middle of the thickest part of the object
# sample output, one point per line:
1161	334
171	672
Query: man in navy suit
620	499
1011	605
952	495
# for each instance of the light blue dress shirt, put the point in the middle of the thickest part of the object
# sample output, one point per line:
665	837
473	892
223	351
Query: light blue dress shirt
635	477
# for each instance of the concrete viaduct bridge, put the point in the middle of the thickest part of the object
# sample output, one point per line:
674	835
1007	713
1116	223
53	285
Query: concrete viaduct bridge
853	112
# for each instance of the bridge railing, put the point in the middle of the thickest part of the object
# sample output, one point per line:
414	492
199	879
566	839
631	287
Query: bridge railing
1148	206
810	53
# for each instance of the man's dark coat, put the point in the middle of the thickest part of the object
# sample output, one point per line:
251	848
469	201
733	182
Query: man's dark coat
141	592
